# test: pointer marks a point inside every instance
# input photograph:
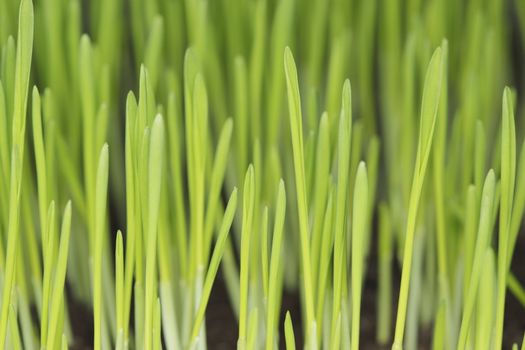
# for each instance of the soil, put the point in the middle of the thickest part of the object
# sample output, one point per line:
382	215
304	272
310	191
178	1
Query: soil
221	324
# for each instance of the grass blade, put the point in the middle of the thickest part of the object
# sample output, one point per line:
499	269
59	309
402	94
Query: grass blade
214	263
431	92
288	332
22	69
294	106
359	227
100	219
57	296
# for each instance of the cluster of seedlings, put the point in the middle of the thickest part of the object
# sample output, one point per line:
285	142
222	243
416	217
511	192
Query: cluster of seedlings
173	145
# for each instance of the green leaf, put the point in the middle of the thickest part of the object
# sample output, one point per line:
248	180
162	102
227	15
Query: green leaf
359	227
508	178
119	282
275	263
22	70
429	105
288	332
156	156
482	241
343	170
247	229
100	219
57	295
294	107
214	264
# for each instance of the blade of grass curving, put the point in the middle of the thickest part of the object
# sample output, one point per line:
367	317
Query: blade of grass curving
217	178
214	264
359	227
484	229
294	104
57	296
430	101
22	70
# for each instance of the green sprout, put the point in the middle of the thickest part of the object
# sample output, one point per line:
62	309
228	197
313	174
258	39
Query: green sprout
369	144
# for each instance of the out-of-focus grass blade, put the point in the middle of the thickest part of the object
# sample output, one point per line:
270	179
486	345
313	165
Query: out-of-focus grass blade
343	164
485	303
508	178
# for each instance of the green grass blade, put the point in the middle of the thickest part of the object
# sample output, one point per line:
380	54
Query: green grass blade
359	227
384	304
57	295
484	229
47	253
430	101
119	278
288	332
22	70
508	175
100	219
247	228
343	170
485	302
156	156
294	105
214	263
275	262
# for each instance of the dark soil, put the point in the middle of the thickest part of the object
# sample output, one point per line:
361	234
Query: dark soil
221	325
